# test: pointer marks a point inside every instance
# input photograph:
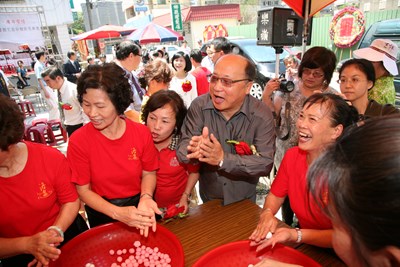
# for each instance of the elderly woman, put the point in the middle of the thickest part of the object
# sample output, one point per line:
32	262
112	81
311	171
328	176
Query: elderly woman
155	76
321	121
39	203
113	159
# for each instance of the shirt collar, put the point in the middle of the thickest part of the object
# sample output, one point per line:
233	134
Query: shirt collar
245	108
174	142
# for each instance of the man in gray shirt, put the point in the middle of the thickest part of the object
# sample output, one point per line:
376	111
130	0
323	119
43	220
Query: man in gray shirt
228	112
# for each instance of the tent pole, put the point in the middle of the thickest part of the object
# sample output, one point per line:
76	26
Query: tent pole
305	26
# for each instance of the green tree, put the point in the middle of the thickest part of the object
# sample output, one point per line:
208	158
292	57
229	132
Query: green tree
78	26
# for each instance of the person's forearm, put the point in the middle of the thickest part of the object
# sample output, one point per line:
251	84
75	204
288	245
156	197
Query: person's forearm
41	85
272	203
10	247
192	180
67	214
148	184
96	202
319	238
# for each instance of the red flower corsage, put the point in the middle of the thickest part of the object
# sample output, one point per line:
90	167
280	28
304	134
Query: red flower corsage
172	212
243	148
186	86
65	106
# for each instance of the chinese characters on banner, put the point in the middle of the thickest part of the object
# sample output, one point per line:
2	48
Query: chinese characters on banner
176	17
20	28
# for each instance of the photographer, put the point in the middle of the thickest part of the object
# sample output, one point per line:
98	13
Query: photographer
315	73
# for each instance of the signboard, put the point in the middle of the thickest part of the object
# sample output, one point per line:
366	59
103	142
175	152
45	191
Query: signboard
176	17
19	28
140	6
279	27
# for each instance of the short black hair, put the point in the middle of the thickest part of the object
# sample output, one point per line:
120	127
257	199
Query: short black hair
70	54
162	98
39	54
196	55
125	48
52	72
185	56
110	78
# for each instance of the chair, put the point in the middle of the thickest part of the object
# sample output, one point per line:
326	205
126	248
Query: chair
33	91
14	94
40	133
62	136
26	108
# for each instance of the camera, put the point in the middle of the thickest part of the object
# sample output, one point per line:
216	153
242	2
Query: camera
286	86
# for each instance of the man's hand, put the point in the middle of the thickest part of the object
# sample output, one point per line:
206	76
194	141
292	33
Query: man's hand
194	144
211	150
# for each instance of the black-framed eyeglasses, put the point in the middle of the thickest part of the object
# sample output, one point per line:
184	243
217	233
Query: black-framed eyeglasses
225	81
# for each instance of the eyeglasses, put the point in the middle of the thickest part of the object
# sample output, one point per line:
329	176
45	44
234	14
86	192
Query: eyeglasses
225	81
351	81
213	52
315	74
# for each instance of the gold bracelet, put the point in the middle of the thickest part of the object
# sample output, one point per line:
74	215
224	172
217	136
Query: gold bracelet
145	195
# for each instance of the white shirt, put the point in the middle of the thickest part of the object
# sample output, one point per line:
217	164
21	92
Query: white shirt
207	62
176	85
69	96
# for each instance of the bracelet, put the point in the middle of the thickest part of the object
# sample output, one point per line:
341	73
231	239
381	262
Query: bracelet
299	235
220	163
146	194
57	229
188	195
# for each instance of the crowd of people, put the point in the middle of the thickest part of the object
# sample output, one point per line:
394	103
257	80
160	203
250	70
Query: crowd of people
142	134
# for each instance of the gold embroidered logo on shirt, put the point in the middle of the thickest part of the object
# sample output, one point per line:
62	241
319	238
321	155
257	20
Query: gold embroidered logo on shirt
44	191
132	155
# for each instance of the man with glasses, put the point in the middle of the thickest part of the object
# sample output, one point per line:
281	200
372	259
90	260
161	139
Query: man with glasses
219	46
129	56
219	119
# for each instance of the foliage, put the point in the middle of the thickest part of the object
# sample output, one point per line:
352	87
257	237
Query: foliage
78	26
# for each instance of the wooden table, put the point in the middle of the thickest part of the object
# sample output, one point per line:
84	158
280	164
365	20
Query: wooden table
211	225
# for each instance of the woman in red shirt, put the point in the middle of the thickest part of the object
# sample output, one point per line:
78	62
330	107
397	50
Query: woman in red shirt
321	121
163	114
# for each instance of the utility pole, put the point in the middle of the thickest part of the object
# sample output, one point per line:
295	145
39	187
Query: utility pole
89	7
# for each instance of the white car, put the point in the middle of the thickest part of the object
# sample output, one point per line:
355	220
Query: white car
171	49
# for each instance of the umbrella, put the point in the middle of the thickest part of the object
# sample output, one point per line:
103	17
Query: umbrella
154	33
5	52
306	9
105	31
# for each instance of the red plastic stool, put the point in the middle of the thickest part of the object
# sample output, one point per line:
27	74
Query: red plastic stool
61	136
26	108
41	134
39	121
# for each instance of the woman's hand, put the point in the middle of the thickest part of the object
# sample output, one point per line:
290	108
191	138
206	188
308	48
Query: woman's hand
272	263
281	235
183	202
267	223
43	247
271	86
134	217
148	205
